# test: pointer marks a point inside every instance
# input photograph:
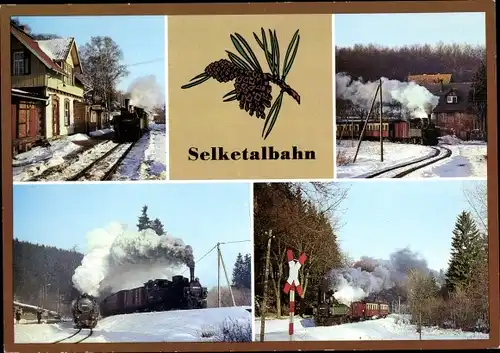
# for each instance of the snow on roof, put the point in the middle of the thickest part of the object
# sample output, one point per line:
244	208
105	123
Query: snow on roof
57	49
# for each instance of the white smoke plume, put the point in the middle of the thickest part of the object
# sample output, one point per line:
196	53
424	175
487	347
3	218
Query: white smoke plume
119	259
146	92
413	97
371	276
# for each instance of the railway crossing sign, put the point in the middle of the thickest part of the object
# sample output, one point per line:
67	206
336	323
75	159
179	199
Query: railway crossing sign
292	284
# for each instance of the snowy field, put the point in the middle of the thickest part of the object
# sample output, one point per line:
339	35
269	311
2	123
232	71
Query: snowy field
148	158
391	328
174	326
468	159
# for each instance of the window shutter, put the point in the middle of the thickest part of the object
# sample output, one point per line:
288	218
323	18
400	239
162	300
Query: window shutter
27	62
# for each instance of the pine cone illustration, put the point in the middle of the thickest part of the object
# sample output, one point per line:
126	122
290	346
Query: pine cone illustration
253	92
222	70
252	86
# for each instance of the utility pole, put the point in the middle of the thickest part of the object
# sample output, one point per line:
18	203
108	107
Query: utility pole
218	275
381	128
364	125
227	277
263	308
399	305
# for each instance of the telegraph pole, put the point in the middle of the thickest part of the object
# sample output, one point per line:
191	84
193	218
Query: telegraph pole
227	278
381	129
263	308
218	275
364	125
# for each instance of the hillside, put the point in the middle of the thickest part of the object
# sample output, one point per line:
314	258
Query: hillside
42	272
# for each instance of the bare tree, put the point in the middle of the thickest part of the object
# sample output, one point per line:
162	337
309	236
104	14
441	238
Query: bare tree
101	59
476	196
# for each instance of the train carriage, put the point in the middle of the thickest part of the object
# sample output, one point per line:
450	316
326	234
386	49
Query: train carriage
416	130
180	293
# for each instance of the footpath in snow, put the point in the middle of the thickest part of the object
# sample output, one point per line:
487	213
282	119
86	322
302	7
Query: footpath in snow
393	327
170	326
148	158
468	159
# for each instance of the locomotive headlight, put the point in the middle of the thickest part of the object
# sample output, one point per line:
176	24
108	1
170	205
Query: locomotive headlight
85	305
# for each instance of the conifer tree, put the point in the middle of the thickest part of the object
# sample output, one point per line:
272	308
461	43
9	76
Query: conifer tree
237	270
144	221
157	226
247	272
467	248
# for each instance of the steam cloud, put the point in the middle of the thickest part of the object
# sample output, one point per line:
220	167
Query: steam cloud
414	98
145	92
121	259
353	284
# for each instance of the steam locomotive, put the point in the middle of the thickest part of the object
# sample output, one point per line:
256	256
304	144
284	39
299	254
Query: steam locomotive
330	312
131	124
417	130
180	293
85	312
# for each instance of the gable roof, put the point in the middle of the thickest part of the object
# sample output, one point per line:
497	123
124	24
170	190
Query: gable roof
56	49
34	48
461	89
430	78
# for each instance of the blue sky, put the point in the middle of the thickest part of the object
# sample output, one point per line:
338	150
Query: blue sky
141	38
380	217
406	29
200	214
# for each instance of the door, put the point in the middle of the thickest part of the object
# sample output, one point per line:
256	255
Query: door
79	115
55	117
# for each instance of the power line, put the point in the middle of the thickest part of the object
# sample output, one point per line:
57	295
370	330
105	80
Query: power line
145	62
212	249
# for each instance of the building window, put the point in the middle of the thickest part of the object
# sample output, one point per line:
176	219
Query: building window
69	76
66	112
19	63
451	99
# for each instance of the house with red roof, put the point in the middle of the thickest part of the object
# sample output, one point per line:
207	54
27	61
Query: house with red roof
50	69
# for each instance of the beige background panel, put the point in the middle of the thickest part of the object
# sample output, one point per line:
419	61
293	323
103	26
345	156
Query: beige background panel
198	117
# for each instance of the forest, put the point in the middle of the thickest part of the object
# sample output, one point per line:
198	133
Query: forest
374	61
43	274
305	217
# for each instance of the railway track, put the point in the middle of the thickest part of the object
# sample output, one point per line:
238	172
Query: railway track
73	335
104	167
403	169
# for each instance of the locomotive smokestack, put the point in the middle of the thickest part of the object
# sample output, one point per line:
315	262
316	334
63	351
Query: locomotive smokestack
127	104
191	273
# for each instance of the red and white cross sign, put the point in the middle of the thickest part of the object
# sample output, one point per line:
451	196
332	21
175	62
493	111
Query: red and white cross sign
292	284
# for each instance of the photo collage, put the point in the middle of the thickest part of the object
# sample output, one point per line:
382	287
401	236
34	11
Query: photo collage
245	145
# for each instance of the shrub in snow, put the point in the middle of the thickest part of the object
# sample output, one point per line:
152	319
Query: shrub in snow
208	331
234	330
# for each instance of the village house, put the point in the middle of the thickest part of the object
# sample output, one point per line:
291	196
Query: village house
454	113
50	68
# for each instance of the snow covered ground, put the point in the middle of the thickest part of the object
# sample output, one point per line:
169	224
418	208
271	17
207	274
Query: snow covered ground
393	327
148	158
171	326
368	159
34	162
468	158
64	157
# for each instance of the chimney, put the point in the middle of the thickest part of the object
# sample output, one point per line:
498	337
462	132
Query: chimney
191	273
442	85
